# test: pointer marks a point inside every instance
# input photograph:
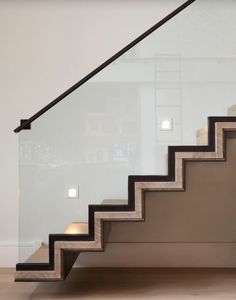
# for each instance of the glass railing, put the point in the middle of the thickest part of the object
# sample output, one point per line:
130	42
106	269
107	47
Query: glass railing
122	120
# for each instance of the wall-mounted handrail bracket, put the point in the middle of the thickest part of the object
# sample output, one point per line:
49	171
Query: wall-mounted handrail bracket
27	126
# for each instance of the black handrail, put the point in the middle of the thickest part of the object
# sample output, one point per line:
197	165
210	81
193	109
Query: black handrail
27	122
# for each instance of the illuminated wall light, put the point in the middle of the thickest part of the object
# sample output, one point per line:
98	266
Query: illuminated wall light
72	193
166	124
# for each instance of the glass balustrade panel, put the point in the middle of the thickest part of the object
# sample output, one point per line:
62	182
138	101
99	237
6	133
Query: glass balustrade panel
121	122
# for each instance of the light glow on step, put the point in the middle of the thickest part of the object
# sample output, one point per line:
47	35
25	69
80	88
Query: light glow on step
77	228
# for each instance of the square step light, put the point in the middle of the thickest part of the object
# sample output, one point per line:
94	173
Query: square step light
73	193
166	125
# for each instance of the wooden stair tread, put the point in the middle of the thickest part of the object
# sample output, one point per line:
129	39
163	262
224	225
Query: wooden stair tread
202	136
115	201
77	228
42	254
39	256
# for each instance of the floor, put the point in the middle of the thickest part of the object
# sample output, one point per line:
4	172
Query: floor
165	284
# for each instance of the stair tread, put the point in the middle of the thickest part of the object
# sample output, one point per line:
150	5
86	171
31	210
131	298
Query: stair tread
39	256
115	201
77	228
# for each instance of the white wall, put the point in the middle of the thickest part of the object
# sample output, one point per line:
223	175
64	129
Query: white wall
46	46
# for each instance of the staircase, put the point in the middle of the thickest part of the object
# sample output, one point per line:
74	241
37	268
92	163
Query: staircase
149	91
64	249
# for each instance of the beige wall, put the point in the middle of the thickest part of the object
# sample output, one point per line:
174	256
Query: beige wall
192	228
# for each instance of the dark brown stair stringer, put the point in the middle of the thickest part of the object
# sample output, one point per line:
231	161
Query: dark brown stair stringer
64	249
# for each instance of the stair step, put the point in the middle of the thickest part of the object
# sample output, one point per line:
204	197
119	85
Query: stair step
202	136
77	228
40	256
115	201
64	260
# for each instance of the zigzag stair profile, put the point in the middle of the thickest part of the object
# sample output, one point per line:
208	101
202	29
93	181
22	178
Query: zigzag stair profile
65	248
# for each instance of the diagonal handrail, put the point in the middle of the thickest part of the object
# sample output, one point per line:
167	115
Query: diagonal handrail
27	122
